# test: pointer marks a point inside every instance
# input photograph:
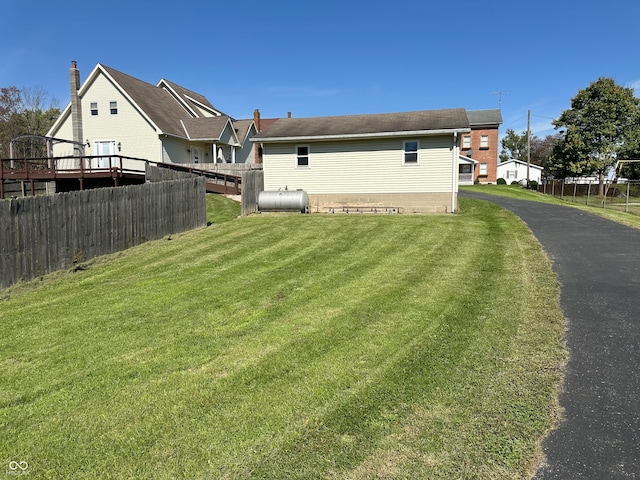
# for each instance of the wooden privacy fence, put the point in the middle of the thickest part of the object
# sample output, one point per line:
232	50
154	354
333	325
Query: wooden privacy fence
42	234
252	185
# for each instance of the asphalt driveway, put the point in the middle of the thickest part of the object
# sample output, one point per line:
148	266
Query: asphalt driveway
598	265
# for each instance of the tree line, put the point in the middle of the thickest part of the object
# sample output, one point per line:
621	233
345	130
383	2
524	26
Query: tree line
601	127
25	115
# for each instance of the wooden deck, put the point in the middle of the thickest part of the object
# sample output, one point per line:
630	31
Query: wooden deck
94	170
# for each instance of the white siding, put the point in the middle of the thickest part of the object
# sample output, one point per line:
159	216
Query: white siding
365	166
519	170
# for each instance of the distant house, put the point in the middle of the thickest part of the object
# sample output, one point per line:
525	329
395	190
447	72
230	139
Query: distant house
516	170
482	144
406	161
122	115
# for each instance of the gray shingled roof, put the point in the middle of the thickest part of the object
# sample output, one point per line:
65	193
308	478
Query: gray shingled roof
365	125
165	111
157	103
242	128
187	95
208	128
484	117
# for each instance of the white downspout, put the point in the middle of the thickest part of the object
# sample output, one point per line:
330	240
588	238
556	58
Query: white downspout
454	172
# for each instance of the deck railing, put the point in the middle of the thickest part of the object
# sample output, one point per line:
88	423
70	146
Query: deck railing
107	166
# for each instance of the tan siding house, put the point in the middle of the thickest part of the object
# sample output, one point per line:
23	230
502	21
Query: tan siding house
122	115
405	161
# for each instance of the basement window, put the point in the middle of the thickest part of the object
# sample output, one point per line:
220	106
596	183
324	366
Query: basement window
94	108
411	152
113	108
302	156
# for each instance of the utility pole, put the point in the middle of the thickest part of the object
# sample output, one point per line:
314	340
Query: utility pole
528	144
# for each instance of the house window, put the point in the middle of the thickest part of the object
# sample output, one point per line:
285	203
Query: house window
302	156
466	141
94	108
113	107
483	169
484	141
411	152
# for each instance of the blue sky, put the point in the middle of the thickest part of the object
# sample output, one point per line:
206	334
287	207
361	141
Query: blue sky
334	57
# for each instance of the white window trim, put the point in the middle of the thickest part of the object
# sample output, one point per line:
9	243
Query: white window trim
113	105
404	152
466	142
484	141
91	109
308	147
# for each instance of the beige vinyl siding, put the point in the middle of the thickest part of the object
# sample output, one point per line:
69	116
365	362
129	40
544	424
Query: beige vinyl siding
364	166
65	132
128	127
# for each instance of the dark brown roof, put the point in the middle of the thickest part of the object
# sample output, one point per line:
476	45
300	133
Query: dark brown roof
365	125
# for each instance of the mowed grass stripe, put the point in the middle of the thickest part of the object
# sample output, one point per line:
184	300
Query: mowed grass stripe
287	346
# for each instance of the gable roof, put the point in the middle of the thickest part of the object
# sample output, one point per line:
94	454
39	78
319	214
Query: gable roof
156	103
243	128
208	128
422	122
165	106
189	98
479	118
520	162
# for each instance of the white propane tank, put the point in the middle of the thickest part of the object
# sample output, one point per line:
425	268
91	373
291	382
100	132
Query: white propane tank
284	201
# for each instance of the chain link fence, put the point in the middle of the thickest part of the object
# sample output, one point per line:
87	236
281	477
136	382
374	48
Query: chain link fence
621	196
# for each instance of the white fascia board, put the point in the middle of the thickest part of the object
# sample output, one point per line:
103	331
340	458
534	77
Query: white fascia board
59	121
205	107
229	125
163	84
356	136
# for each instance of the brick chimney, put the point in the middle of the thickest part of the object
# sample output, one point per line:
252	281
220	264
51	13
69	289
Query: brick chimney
256	119
76	110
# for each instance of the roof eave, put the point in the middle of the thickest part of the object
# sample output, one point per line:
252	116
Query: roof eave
356	136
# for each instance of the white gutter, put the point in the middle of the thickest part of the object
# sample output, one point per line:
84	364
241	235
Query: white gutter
351	136
454	171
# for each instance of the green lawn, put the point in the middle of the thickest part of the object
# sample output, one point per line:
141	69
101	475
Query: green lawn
612	212
290	346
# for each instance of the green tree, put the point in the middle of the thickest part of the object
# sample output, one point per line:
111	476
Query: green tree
25	113
602	119
514	145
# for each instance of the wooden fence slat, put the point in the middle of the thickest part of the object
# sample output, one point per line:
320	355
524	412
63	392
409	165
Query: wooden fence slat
45	233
